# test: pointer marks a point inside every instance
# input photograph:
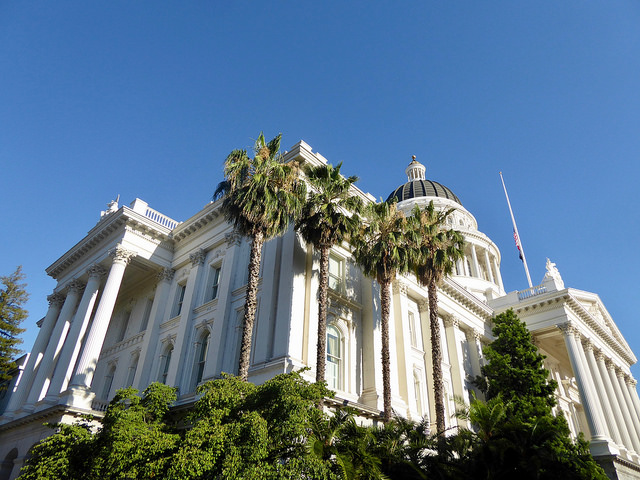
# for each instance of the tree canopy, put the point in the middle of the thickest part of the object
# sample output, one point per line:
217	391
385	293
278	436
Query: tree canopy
13	296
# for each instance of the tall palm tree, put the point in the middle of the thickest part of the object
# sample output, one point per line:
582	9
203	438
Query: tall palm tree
329	216
438	249
261	196
382	250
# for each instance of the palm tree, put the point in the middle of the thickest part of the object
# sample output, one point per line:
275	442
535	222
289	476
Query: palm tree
261	197
329	216
438	250
382	251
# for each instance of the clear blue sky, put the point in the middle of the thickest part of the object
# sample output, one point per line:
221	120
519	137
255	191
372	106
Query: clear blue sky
146	99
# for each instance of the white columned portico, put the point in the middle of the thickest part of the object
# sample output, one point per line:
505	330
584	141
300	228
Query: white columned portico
623	440
610	424
56	301
626	420
47	365
72	345
599	444
150	340
83	375
626	399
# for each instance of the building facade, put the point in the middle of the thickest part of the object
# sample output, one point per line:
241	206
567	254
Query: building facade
145	298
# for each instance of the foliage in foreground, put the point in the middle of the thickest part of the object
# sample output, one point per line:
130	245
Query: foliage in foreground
238	430
13	296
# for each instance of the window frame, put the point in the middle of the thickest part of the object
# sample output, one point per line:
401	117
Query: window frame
337	382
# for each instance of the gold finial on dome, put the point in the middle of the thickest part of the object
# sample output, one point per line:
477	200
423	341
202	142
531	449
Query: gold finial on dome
413	157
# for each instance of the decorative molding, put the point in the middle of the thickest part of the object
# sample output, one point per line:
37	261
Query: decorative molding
121	254
197	257
55	299
96	270
587	344
566	328
166	274
400	288
423	306
76	286
450	321
473	335
599	355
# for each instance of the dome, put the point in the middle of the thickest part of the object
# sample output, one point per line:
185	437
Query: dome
418	186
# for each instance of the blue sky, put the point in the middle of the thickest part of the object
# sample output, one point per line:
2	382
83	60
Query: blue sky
146	99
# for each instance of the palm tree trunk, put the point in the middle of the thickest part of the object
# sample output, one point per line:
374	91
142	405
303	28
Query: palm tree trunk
385	303
436	355
250	305
321	351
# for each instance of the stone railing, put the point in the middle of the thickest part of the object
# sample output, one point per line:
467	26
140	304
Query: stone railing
160	218
532	292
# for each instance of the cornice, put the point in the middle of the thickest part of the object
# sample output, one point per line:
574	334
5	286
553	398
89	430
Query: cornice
125	219
201	219
458	293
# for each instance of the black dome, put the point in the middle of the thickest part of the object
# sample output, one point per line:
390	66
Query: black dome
422	188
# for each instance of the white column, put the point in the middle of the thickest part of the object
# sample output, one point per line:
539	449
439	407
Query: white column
41	381
83	375
475	266
625	414
400	343
488	264
455	355
623	439
72	345
495	264
600	391
633	393
156	317
576	356
37	353
626	399
423	309
475	350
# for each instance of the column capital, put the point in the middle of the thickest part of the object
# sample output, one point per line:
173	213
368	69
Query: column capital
96	270
620	374
599	355
165	274
610	365
76	286
400	288
197	257
232	238
629	380
473	335
451	321
121	254
55	299
567	328
423	306
587	344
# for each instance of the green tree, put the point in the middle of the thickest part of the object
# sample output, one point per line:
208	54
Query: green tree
13	296
329	216
382	251
261	195
439	247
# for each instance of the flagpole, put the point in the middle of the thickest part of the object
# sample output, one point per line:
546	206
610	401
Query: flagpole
516	234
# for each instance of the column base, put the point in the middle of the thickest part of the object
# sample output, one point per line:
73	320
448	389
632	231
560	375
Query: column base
600	446
76	396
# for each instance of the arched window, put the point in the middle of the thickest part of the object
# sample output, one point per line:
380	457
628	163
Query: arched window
6	467
201	358
164	366
133	366
417	386
334	358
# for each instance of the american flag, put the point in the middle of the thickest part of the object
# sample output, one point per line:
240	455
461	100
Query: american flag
518	245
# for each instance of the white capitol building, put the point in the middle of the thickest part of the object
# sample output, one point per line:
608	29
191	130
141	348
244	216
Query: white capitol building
145	298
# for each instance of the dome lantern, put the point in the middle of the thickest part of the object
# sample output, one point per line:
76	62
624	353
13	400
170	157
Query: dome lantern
415	170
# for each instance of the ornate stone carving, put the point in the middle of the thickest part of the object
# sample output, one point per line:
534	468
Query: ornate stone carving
400	288
232	238
566	328
620	374
423	306
599	355
121	254
450	321
76	286
166	274
96	270
55	299
197	257
473	336
587	344
553	274
632	382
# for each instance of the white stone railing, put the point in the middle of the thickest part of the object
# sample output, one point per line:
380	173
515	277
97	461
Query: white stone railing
99	405
160	218
532	292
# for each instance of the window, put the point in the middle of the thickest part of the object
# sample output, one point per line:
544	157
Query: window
334	358
413	332
212	284
108	382
131	374
166	361
417	387
126	316
179	299
201	358
336	273
146	315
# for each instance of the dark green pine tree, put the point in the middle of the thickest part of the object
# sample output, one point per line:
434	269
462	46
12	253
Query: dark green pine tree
13	296
515	370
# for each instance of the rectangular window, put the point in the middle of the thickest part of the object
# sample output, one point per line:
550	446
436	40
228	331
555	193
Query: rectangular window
334	358
145	316
413	333
179	299
124	325
336	273
214	280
